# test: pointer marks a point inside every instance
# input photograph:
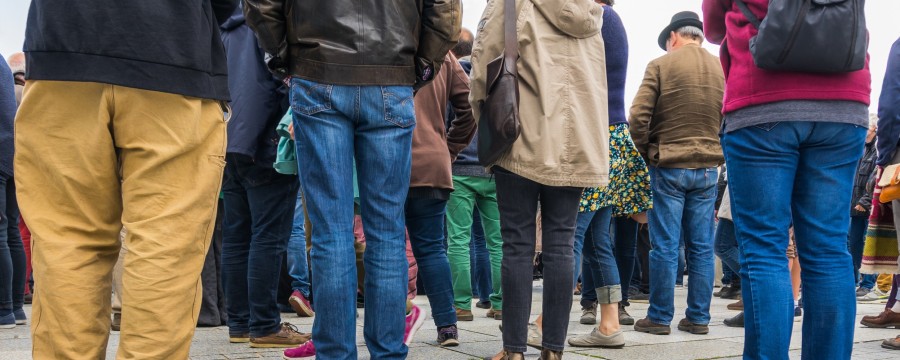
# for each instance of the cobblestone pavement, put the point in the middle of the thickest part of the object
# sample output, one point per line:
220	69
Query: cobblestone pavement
481	338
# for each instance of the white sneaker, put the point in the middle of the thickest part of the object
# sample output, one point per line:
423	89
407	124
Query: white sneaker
874	296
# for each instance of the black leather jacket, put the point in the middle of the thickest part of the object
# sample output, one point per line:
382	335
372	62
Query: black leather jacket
865	174
356	42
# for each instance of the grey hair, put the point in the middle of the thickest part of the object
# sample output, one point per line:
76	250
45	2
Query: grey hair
690	32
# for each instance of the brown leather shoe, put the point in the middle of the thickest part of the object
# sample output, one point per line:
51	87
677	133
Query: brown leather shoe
548	354
495	314
886	319
647	326
287	336
696	329
739	305
464	315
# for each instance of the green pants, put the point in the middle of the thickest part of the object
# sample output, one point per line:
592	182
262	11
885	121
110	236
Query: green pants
471	191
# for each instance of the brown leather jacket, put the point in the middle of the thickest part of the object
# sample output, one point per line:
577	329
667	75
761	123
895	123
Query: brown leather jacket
434	146
356	42
677	113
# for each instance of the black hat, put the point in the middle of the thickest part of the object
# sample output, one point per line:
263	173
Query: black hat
680	20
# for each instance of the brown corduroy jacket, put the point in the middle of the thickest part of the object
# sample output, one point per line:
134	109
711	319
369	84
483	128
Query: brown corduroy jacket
434	146
677	113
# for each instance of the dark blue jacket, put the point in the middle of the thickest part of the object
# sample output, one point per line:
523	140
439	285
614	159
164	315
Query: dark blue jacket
258	100
616	43
466	163
889	109
7	118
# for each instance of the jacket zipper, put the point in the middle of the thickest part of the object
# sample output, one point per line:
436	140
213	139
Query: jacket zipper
855	35
795	31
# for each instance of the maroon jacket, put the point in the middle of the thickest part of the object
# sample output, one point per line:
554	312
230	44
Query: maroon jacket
748	85
434	147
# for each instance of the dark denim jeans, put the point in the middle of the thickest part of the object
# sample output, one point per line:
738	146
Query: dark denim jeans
857	242
601	274
425	223
802	173
480	259
12	250
683	202
259	211
297	262
518	199
373	124
727	247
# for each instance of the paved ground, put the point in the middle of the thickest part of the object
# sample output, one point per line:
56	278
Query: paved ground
481	338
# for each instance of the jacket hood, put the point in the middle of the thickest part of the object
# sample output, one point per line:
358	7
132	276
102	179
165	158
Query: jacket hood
576	18
236	19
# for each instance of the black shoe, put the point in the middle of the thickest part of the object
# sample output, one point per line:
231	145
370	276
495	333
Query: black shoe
642	297
448	336
28	298
722	290
483	304
736	321
360	300
733	293
798	312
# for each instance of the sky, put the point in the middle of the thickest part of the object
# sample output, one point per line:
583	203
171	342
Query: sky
643	20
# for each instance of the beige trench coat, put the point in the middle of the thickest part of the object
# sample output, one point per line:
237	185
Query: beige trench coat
562	86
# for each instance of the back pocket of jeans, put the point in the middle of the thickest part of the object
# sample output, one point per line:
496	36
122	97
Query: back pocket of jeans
399	106
309	97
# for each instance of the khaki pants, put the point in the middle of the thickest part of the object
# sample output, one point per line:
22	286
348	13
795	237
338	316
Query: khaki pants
90	159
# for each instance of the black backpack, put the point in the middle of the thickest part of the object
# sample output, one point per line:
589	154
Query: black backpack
820	36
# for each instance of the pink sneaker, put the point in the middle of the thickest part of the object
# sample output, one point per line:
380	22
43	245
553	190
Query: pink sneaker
414	321
300	304
306	350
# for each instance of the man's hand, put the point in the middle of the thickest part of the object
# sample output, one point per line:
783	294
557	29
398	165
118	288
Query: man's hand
291	130
860	208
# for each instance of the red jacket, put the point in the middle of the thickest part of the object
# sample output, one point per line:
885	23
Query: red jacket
747	85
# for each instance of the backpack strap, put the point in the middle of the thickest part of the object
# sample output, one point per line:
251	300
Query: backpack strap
748	14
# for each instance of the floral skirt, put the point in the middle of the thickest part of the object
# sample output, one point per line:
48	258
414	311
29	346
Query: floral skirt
628	191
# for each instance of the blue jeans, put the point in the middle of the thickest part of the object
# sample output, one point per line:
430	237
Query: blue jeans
800	172
857	241
298	264
373	124
259	208
683	201
682	262
727	247
625	248
12	251
601	274
425	223
480	259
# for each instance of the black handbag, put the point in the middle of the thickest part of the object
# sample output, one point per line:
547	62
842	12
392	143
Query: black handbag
819	36
499	127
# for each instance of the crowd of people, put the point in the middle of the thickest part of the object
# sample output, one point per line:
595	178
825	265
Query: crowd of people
220	162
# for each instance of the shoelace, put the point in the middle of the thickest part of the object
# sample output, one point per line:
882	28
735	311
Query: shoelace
290	328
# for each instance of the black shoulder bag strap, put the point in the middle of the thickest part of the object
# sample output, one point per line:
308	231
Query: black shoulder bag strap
748	14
